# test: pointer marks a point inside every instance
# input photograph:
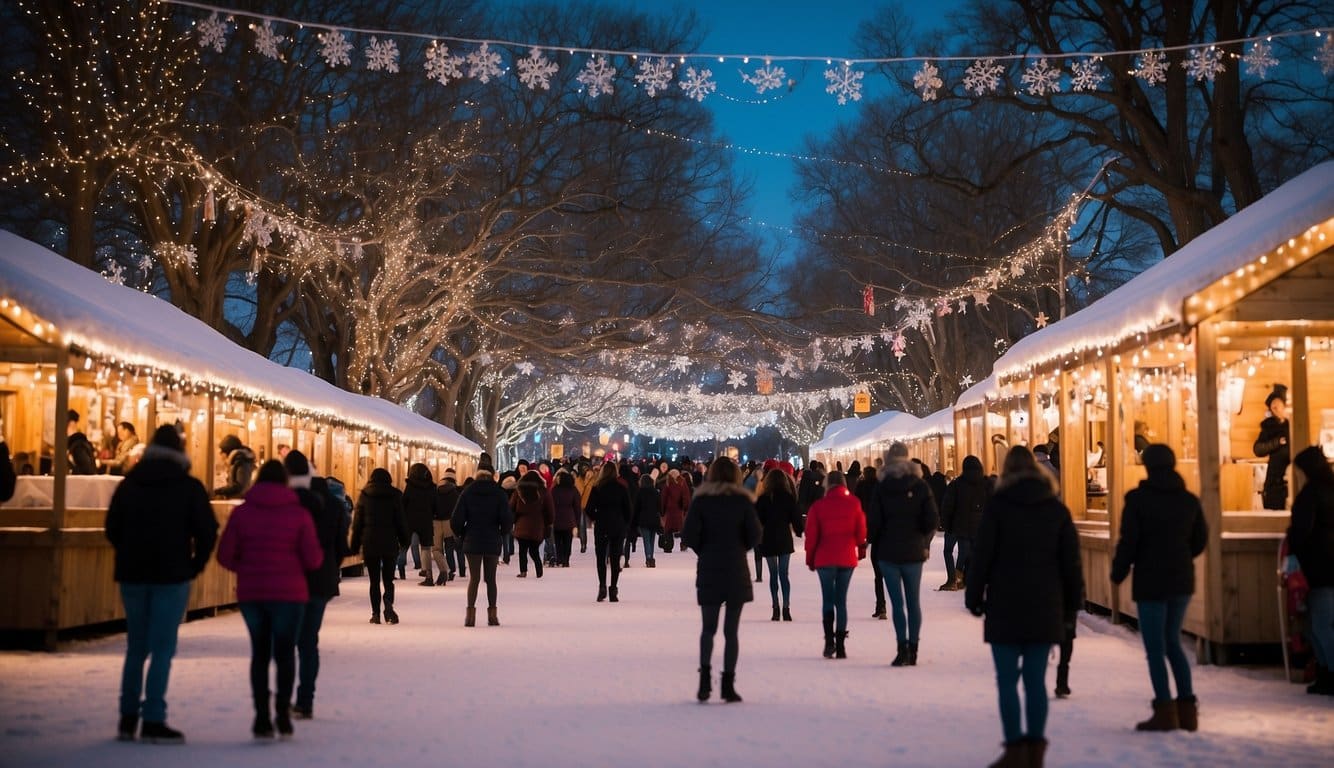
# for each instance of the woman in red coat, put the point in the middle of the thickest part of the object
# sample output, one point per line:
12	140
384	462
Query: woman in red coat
675	502
835	541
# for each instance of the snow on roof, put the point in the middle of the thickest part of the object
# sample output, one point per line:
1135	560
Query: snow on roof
138	329
861	433
939	423
832	431
985	389
1155	297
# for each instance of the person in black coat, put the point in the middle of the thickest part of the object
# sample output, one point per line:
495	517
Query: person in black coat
776	509
163	531
322	583
610	509
8	478
421	506
1162	532
443	529
721	526
1311	539
481	521
899	526
961	508
82	454
379	530
1272	443
865	494
648	516
1026	579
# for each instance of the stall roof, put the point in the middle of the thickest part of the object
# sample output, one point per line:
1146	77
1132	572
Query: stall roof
133	327
986	389
939	423
862	432
1155	297
831	432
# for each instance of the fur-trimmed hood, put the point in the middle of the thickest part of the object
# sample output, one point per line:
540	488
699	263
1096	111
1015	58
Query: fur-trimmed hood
1029	487
712	488
901	468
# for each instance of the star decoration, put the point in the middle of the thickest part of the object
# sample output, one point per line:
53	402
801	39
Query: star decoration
1041	319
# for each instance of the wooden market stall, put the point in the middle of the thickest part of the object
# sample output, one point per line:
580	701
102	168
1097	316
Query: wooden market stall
930	439
856	440
71	340
1185	354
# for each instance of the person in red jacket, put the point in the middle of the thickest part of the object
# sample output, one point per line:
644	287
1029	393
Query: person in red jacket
270	543
835	541
675	502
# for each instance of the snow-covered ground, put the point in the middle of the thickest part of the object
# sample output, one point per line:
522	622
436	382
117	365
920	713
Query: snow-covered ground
567	681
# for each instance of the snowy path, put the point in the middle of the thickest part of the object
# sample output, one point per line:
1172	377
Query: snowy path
567	681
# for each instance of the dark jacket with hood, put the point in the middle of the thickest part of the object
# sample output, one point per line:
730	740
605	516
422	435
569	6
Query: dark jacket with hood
565	499
964	499
610	509
721	526
1025	574
532	508
779	518
448	493
648	508
1273	444
903	517
160	522
1162	532
482	517
82	455
379	525
8	478
420	502
1311	533
240	473
330	529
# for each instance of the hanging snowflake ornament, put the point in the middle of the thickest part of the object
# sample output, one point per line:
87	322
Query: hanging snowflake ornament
1326	54
681	363
565	384
927	80
525	368
335	48
1087	75
535	70
115	273
1151	68
767	77
1204	63
1041	78
146	263
899	346
980	298
982	76
596	77
484	64
259	228
966	381
787	367
442	67
213	33
178	255
697	84
267	41
866	343
736	379
943	307
655	75
962	307
1259	59
844	83
382	55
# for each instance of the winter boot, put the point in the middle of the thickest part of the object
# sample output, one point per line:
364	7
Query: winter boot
778	613
901	660
442	580
160	733
126	728
389	616
829	645
263	726
470	618
651	563
1037	752
401	575
426	582
840	648
1164	717
375	618
282	721
880	612
492	620
1188	713
602	592
787	612
1062	680
948	586
705	685
959	582
613	595
729	693
912	654
1014	756
302	713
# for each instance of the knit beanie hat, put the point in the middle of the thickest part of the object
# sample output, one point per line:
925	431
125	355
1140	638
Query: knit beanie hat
1158	456
450	475
296	464
167	437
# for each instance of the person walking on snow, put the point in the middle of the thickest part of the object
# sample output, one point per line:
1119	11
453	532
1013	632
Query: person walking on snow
379	530
776	508
835	541
900	525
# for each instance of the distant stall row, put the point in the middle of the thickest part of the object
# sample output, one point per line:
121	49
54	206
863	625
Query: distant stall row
1184	354
72	341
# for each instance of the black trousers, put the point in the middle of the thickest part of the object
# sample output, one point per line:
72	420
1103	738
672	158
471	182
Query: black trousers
564	541
529	549
731	646
608	551
482	567
381	569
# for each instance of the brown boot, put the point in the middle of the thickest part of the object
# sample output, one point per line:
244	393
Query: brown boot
470	618
1188	713
1164	717
1014	756
491	619
1037	750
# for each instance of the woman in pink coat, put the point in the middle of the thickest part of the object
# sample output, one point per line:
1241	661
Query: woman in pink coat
270	543
835	541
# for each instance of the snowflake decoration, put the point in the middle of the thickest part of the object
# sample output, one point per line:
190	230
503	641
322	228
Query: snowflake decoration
442	67
1326	55
916	313
788	366
259	228
845	83
1260	59
1204	63
169	253
484	64
266	42
565	384
1087	75
535	70
655	75
335	48
966	381
213	33
927	80
146	263
962	307
866	343
1041	319
596	77
382	55
767	77
943	307
980	298
846	346
1151	68
899	346
115	273
681	363
982	76
736	379
1016	269
697	84
1041	79
525	368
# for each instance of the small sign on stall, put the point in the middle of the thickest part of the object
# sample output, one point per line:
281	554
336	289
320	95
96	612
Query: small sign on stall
861	402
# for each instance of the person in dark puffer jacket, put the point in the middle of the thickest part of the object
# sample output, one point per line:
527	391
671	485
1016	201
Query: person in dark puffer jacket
1026	579
1272	444
610	509
240	462
1311	539
648	516
379	531
565	499
1162	532
900	525
420	502
960	513
163	531
866	494
776	508
481	521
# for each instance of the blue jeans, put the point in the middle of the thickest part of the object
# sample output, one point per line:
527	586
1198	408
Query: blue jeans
903	582
1320	610
965	554
649	535
1160	628
273	627
1012	661
308	651
778	566
834	583
153	613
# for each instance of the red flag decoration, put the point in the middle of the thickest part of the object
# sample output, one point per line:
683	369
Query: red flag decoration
868	300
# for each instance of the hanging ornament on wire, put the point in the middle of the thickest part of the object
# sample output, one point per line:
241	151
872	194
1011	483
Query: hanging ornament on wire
210	205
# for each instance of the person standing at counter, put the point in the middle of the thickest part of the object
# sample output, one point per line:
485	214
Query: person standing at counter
163	531
1273	444
82	454
240	462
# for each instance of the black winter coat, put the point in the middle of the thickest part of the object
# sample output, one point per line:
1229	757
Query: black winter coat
961	508
82	455
332	534
160	522
610	510
721	526
1311	534
903	517
240	474
482	518
420	502
778	516
1162	532
565	500
1025	573
1273	443
379	525
8	478
648	509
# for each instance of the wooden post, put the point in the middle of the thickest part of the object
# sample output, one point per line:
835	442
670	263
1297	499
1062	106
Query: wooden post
268	436
210	449
60	466
326	461
1299	419
150	418
988	455
1114	459
1034	412
1206	388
